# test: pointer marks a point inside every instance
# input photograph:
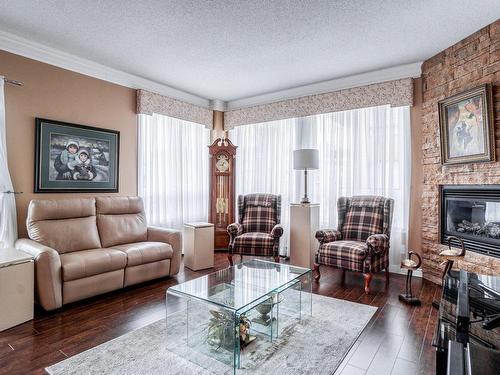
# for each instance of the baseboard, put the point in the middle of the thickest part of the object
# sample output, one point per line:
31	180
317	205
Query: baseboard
396	269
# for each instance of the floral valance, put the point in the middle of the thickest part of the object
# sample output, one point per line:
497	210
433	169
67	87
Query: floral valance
150	102
396	93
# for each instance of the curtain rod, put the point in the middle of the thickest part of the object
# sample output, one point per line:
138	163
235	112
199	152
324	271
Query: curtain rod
13	82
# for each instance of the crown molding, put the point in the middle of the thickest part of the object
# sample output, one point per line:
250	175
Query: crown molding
362	79
36	51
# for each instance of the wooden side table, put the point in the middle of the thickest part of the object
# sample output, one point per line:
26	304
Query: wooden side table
198	245
16	288
304	222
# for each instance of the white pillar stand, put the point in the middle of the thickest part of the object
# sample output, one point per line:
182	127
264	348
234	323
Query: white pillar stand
304	222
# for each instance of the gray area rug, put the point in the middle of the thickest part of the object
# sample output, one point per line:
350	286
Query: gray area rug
313	345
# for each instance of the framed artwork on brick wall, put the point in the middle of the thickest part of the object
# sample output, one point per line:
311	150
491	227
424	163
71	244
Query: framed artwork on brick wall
73	158
467	127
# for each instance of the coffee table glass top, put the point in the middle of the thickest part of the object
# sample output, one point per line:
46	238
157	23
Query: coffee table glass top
242	286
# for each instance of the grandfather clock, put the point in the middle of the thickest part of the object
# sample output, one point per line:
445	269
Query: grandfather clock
222	156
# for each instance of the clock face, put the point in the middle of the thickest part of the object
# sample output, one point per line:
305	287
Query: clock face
222	163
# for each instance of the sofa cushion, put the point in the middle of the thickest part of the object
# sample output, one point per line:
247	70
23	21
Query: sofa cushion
254	239
145	252
85	263
119	205
65	225
50	209
349	255
120	220
362	222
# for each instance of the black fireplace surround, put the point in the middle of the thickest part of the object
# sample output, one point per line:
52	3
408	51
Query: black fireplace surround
472	212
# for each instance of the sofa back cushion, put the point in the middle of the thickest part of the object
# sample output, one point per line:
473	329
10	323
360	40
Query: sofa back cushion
65	225
364	216
121	220
259	212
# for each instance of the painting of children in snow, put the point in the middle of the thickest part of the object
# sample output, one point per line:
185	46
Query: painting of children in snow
466	125
73	157
82	159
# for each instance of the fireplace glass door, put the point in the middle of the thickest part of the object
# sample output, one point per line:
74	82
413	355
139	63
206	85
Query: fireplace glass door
472	213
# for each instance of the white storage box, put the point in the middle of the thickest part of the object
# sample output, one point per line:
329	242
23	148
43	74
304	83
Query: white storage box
198	245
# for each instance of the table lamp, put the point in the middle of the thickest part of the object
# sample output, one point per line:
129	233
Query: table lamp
305	159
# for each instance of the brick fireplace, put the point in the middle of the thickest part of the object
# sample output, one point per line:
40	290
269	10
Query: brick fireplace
467	64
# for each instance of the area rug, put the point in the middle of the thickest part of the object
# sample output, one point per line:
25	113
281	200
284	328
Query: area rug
313	345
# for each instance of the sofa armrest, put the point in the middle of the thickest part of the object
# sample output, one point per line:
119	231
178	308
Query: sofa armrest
328	235
235	230
47	272
378	243
174	238
277	231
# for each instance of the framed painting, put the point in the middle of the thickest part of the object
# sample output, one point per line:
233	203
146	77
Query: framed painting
467	127
75	158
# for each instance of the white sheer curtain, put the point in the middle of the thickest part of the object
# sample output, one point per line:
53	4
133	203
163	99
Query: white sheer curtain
363	151
8	220
264	163
173	170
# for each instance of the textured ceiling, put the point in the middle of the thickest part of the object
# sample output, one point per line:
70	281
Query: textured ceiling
228	50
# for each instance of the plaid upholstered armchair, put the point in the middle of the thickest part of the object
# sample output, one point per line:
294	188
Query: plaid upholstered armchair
258	231
361	241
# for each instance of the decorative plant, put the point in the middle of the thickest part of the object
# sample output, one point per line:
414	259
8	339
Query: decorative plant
221	330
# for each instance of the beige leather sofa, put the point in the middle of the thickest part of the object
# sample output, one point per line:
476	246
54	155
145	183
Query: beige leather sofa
84	247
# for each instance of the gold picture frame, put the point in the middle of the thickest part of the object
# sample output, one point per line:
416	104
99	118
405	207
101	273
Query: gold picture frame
467	127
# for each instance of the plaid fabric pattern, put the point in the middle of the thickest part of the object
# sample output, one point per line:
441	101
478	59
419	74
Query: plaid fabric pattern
259	216
277	231
235	229
255	240
327	235
343	254
388	211
378	243
362	222
260	212
341	211
259	219
375	263
365	224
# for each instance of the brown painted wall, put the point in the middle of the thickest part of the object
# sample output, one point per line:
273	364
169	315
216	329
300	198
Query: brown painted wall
415	222
218	130
55	93
467	64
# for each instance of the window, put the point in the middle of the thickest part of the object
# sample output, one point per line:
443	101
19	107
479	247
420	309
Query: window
362	152
173	170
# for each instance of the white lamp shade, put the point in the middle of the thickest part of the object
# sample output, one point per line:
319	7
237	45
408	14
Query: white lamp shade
307	158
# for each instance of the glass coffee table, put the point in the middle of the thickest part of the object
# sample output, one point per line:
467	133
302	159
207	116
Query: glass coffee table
217	316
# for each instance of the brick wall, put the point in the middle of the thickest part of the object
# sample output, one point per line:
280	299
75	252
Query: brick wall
469	63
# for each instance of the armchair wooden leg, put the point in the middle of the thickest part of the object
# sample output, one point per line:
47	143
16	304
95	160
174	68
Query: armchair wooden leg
387	275
368	278
230	258
316	273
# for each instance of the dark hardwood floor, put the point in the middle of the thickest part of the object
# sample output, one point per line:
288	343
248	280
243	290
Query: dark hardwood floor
396	341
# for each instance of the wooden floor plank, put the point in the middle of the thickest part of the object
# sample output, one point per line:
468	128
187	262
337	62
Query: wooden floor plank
351	370
404	367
